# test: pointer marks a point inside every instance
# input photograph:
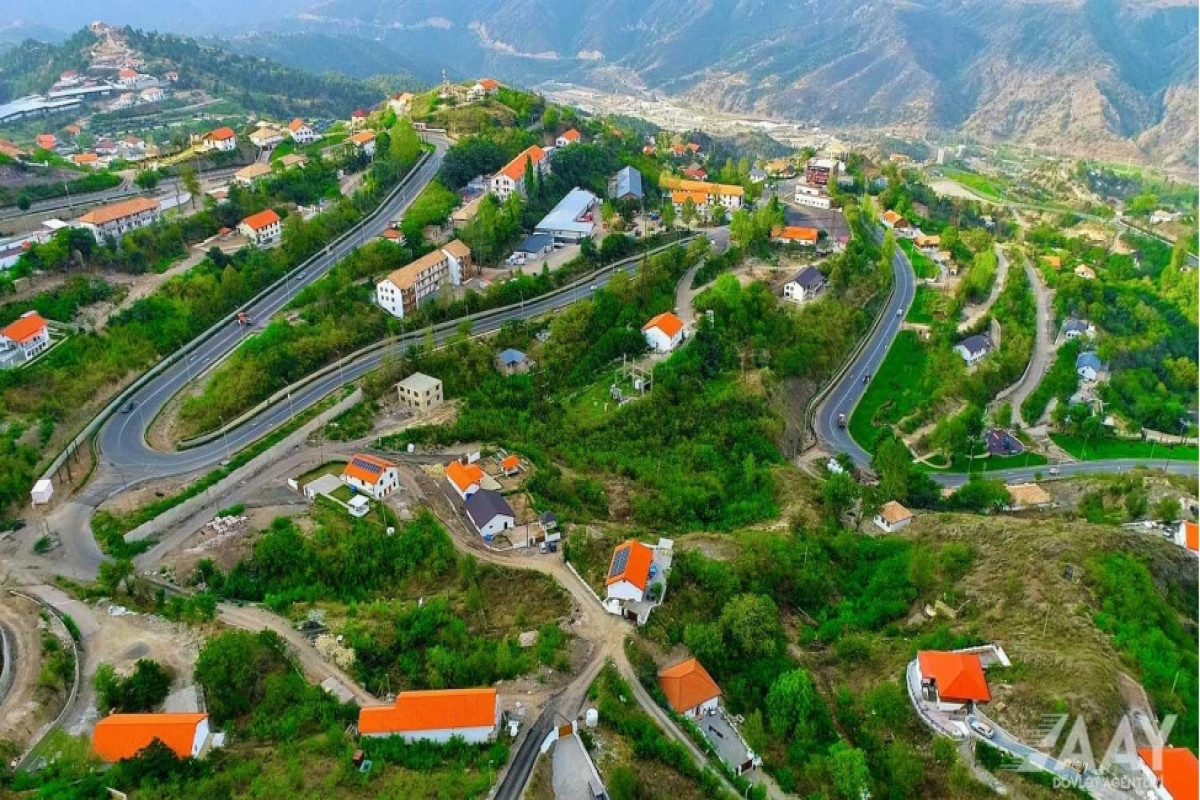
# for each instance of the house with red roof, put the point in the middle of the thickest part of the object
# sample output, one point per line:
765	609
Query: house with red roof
301	132
484	87
436	715
629	571
568	137
689	689
371	475
262	228
121	736
46	141
358	118
23	339
1172	771
465	478
511	177
951	680
364	141
663	333
222	139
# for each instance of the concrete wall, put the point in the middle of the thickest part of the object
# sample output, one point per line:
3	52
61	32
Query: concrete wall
257	464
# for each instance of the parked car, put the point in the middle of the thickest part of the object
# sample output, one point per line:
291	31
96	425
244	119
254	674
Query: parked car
543	548
130	406
982	728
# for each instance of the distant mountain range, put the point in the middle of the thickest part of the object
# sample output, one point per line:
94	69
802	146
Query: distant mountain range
1108	77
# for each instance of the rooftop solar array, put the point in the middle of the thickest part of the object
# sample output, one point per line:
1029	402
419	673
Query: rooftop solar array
369	466
619	562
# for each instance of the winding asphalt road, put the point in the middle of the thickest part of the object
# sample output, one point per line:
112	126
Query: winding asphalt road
849	390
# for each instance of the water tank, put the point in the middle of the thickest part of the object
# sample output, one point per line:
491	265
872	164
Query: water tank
591	718
513	726
411	447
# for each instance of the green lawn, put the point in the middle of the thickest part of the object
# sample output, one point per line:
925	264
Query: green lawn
334	468
923	266
894	391
1100	449
927	304
977	183
992	463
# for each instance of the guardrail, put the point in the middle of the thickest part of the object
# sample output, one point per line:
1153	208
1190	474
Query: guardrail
416	335
90	429
23	764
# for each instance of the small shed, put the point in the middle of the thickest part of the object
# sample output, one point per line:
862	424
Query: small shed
359	505
43	490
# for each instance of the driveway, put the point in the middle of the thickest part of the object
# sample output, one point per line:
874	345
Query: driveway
573	770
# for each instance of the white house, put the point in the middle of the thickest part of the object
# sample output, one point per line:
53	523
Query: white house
490	513
301	132
262	228
251	173
23	339
121	736
566	138
973	348
465	478
702	193
629	571
222	139
892	517
406	288
266	137
436	715
117	219
401	103
664	332
689	689
804	285
951	680
1088	365
811	196
511	177
371	475
364	141
1075	328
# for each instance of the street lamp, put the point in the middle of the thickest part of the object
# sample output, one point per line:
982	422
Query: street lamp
224	438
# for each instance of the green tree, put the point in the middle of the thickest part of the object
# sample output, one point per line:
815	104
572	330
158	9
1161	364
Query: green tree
191	182
706	643
144	690
146	180
688	213
23	201
668	214
1167	508
838	495
751	625
233	669
623	783
115	575
848	768
792	706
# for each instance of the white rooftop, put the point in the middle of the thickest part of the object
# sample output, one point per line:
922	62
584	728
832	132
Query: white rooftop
566	215
419	382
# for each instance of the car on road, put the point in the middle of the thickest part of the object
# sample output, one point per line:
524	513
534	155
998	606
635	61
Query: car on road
899	312
983	729
1053	471
841	420
130	406
243	318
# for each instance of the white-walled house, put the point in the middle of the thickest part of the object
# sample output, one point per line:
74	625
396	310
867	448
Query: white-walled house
689	689
465	478
892	517
406	288
262	228
663	333
951	680
118	219
120	736
490	513
511	177
629	571
974	348
371	475
23	339
301	132
804	285
222	139
436	715
1088	366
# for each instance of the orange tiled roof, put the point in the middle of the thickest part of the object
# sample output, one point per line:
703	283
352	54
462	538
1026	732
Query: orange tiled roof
679	197
463	475
671	182
1191	535
256	222
46	141
571	135
959	676
120	736
438	709
489	84
687	685
85	158
892	512
637	564
666	322
458	249
795	234
890	217
115	211
515	169
1178	770
366	468
1053	261
928	241
295	125
220	134
407	275
362	138
24	328
511	462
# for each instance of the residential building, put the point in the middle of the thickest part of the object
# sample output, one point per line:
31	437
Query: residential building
696	173
513	362
89	160
1085	272
626	185
973	348
804	285
548	521
490	513
46	141
664	332
951	680
1054	262
465	213
301	132
535	245
404	289
364	141
812	196
892	517
574	217
371	475
511	177
121	736
266	137
106	147
222	139
1188	535
758	175
465	478
690	690
117	219
821	171
358	118
12	151
629	571
249	175
152	94
927	243
793	234
895	222
568	137
719	194
1074	328
510	465
262	228
291	160
23	339
436	715
1027	495
1172	771
488	86
401	103
420	392
1088	365
780	168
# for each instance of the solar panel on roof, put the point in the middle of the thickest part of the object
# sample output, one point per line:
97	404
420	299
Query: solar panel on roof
620	560
369	466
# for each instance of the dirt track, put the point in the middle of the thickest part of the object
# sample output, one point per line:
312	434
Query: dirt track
22	710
